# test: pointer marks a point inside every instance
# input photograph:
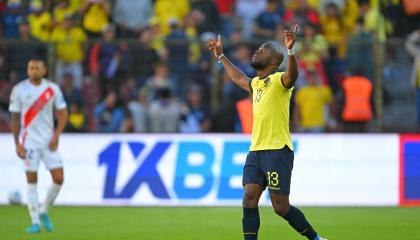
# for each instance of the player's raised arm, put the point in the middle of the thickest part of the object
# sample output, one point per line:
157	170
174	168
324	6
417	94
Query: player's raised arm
238	77
290	76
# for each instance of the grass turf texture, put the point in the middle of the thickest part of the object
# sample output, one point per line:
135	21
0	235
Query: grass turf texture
221	223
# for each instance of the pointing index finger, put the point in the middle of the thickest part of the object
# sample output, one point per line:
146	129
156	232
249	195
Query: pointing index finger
296	28
219	38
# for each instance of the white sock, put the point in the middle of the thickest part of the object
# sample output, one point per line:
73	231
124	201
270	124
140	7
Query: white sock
33	204
52	194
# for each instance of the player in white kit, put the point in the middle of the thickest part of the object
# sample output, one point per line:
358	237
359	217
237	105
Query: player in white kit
32	104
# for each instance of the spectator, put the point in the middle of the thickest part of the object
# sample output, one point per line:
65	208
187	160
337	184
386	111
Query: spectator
224	119
3	6
312	102
203	67
248	10
313	51
70	40
132	16
178	50
159	80
10	17
77	119
139	113
19	54
333	29
40	21
197	119
207	16
301	14
109	115
192	34
158	40
165	113
242	59
225	7
165	10
105	60
63	9
374	21
95	17
266	22
230	21
357	105
143	58
412	45
350	13
359	51
70	93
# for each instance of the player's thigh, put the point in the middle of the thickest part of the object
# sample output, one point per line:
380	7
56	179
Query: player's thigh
31	163
52	159
277	166
252	173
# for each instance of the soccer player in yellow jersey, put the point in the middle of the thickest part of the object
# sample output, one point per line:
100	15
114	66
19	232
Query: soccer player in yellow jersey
270	160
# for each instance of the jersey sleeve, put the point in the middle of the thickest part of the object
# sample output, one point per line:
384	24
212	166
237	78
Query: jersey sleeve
279	82
59	101
15	105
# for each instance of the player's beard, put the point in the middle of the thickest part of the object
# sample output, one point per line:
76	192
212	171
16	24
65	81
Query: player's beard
259	65
36	79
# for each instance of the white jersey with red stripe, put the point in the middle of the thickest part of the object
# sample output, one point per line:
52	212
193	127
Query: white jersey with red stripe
36	105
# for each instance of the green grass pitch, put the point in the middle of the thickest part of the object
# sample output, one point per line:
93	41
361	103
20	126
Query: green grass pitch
208	223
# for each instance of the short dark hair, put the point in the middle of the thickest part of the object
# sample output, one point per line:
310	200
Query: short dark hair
276	50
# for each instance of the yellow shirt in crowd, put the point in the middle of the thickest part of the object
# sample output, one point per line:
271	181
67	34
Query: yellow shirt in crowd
40	25
271	102
312	101
96	18
69	43
61	13
167	9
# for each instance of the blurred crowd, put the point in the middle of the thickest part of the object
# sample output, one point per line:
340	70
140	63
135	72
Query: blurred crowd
142	65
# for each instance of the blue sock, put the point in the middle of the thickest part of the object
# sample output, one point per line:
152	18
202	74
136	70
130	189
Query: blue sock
250	223
298	221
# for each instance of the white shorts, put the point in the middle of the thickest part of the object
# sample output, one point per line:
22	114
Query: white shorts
52	160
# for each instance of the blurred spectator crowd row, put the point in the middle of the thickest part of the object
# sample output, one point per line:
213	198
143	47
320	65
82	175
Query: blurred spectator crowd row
142	65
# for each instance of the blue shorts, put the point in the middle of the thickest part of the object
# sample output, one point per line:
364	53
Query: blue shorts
270	168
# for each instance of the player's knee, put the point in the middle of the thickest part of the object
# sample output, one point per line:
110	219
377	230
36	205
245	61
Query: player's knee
58	180
281	209
249	200
31	178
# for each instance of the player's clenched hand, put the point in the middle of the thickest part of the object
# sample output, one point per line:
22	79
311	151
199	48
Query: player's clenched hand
53	143
20	151
290	37
215	46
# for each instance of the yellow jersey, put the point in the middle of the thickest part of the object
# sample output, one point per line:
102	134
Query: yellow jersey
312	101
69	44
271	102
40	25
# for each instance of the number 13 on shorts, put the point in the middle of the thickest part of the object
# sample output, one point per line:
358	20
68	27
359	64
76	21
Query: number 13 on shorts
273	179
